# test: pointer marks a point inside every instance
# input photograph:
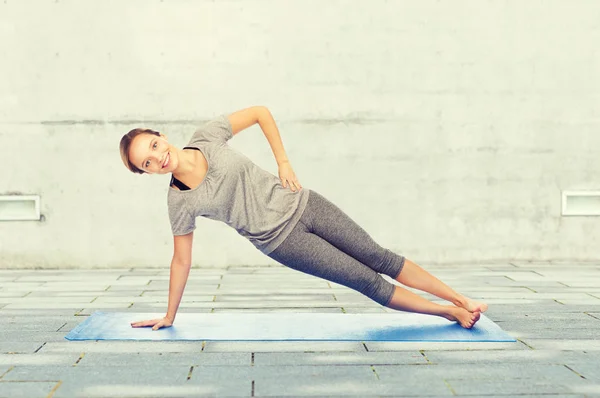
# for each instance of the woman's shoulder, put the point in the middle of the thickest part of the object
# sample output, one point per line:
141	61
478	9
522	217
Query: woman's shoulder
216	130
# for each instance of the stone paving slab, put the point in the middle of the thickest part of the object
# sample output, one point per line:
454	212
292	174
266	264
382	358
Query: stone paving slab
38	359
12	336
508	387
275	297
247	290
478	372
58	305
108	300
20	347
283	346
571	334
122	347
538	324
333	310
334	358
565	344
533	395
27	389
145	359
139	307
42	324
91	294
100	390
519	356
448	346
21	287
14	294
106	373
327	385
261	304
190	288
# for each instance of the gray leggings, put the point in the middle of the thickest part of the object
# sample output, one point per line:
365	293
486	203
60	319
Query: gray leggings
329	244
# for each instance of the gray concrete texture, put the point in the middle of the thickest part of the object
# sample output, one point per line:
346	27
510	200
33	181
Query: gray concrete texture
555	354
448	130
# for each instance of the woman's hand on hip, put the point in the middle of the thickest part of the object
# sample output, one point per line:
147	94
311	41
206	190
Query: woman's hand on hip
287	176
155	323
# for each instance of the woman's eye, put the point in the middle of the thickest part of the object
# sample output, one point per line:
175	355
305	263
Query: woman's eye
155	145
147	163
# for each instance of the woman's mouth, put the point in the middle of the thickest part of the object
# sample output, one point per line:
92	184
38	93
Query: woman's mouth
167	159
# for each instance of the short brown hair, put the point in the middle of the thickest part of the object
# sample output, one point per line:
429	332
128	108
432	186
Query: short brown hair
126	143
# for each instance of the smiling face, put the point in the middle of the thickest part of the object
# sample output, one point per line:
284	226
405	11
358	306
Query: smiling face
153	154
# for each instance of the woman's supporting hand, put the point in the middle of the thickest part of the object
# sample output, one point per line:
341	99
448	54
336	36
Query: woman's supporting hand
155	323
287	176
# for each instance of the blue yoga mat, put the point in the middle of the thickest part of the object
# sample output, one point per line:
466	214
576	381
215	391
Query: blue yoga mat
288	327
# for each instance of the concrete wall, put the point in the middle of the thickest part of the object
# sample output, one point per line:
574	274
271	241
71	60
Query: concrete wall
447	129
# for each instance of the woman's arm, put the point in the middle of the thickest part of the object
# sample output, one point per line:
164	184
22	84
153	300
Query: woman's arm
180	269
245	118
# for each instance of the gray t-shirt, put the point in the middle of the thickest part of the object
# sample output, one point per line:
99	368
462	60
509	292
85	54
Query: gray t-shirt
237	192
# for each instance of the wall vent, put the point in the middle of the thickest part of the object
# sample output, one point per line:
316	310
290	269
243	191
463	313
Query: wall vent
19	207
581	203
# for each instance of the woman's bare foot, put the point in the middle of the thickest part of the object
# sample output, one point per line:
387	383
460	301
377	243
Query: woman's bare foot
465	318
471	305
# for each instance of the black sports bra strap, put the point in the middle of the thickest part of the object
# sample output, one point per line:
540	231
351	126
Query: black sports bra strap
179	184
176	182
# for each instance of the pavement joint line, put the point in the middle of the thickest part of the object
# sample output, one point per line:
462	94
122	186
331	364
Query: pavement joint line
364	345
108	287
78	313
375	372
4	374
189	376
509	278
142	293
214	298
51	393
94	299
343	310
79	359
252	387
334	298
27	294
130	305
558	302
449	387
590	294
574	371
588	314
39	348
527	345
63	325
203	345
252	360
526	287
424	356
564	284
535	272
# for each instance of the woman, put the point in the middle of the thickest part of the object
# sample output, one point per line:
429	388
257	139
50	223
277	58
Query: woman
295	226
